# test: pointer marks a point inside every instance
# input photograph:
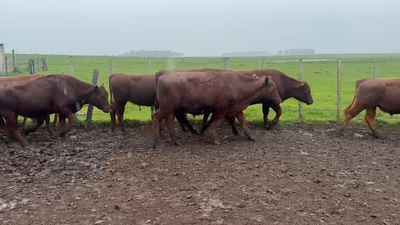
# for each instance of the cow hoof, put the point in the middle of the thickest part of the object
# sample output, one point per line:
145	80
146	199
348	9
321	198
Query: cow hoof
177	143
339	132
195	132
215	142
251	138
377	136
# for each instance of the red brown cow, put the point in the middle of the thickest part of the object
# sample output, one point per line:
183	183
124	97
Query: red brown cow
371	93
13	79
287	87
223	93
137	89
62	94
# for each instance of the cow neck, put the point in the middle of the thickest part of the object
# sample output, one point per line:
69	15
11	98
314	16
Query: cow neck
251	90
285	92
84	93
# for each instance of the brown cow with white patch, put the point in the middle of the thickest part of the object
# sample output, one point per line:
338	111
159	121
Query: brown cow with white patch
38	98
223	93
371	93
13	79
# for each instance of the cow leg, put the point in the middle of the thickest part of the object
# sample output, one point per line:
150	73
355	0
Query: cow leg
206	123
112	116
278	110
169	121
3	126
30	129
231	121
350	114
156	119
184	122
48	127
265	108
370	119
120	109
12	129
216	121
71	122
243	124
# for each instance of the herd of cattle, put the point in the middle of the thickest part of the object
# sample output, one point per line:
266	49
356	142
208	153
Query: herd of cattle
173	93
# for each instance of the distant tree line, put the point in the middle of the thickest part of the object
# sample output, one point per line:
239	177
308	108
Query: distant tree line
296	52
243	54
157	53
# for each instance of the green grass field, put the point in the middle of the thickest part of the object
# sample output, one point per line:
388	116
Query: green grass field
321	75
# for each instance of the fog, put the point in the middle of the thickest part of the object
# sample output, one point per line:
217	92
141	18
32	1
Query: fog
199	27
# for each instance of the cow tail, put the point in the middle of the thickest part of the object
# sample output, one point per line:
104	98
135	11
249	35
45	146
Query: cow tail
157	75
346	110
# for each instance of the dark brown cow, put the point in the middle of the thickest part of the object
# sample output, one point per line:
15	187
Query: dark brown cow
223	93
62	94
371	93
137	89
13	79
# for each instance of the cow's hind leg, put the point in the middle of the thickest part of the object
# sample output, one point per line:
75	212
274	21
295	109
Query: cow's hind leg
169	121
30	129
265	108
216	121
231	121
370	119
243	124
349	114
278	110
120	109
206	123
184	122
48	127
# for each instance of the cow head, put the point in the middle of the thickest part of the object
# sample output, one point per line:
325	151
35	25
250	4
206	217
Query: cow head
99	98
303	93
270	92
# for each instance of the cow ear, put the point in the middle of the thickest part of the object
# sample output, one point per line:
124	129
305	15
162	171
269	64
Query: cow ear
96	88
266	81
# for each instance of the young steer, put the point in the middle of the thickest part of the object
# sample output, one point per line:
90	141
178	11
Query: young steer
223	93
137	89
369	94
62	94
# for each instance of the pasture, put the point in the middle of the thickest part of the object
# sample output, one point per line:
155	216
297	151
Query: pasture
321	75
297	173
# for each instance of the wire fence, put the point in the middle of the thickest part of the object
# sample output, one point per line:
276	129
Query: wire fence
332	80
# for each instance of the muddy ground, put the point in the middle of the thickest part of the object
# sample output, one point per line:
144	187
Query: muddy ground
290	175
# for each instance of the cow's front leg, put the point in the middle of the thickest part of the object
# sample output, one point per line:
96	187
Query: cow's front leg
63	130
278	110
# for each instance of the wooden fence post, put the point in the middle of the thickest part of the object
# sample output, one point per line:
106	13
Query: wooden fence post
150	70
300	78
15	69
339	72
72	68
89	114
45	66
375	67
110	66
225	63
263	64
6	62
37	65
31	66
183	64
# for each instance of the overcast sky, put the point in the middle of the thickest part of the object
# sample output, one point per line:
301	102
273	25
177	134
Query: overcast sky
199	27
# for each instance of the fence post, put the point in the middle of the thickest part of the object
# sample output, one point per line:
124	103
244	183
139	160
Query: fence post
89	114
15	69
300	78
183	64
45	66
72	68
375	67
37	65
263	64
110	66
31	66
150	70
6	62
225	63
339	72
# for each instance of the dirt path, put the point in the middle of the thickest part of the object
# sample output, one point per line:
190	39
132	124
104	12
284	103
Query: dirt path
287	176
